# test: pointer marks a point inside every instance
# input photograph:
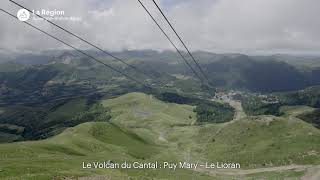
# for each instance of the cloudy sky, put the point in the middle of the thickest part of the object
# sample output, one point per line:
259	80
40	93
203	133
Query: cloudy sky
237	26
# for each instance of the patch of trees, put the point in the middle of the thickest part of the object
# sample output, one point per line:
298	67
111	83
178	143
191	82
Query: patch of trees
207	111
96	113
214	112
270	76
313	118
175	98
308	97
39	123
11	129
261	109
254	105
244	72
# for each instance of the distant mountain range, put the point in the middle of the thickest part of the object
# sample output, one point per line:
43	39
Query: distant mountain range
226	71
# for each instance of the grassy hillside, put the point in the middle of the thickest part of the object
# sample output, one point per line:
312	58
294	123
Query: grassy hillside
266	141
309	96
63	154
68	74
31	123
145	129
255	141
258	141
245	72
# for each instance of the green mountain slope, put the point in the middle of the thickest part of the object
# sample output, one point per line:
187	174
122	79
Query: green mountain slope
63	154
145	129
69	74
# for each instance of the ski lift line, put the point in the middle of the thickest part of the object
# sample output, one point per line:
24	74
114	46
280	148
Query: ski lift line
166	35
80	51
179	52
89	43
194	60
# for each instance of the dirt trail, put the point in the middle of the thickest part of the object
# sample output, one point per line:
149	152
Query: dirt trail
312	174
237	172
239	113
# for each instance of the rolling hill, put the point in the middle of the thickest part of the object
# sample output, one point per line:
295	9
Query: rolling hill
143	128
67	110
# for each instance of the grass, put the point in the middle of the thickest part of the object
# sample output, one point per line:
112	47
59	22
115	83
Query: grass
63	154
293	175
256	143
259	141
145	129
148	117
295	110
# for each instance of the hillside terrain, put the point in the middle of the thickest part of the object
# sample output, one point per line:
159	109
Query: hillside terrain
226	71
58	110
143	128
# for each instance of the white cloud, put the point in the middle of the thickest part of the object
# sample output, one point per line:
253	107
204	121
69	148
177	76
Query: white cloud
102	14
214	25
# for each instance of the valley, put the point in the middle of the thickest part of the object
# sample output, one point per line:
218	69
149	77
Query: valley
58	117
159	90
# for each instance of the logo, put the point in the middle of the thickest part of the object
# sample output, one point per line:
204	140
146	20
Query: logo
23	15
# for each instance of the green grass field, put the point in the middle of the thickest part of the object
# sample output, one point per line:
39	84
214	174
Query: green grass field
145	129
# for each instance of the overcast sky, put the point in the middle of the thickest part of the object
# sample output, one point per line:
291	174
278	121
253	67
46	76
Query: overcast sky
237	26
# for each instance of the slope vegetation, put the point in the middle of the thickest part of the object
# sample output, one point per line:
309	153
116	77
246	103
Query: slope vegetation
145	129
